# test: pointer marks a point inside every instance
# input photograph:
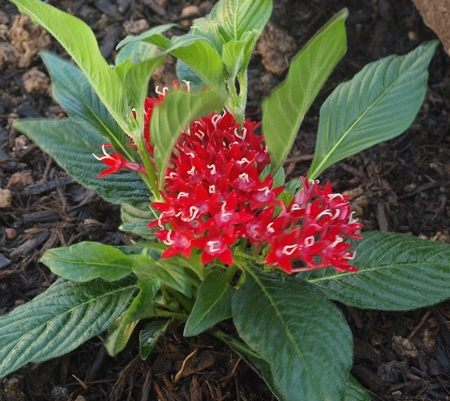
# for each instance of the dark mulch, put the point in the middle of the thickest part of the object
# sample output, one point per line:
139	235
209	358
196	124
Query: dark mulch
400	186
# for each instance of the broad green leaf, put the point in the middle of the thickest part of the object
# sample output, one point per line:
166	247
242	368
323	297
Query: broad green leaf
75	94
302	335
201	58
134	53
153	36
169	120
378	104
141	308
184	73
396	272
87	261
236	17
148	337
285	107
80	42
59	320
236	53
213	304
355	392
72	144
169	272
210	31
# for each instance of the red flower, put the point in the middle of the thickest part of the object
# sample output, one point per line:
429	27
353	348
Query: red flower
117	162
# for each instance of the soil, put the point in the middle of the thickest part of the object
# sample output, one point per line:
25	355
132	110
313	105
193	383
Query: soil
400	186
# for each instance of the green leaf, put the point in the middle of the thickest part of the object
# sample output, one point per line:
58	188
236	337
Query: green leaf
396	272
75	94
148	337
303	336
59	320
236	53
355	392
141	308
169	120
87	261
209	30
72	144
213	304
378	104
236	17
201	58
169	272
184	73
285	107
135	220
83	48
153	36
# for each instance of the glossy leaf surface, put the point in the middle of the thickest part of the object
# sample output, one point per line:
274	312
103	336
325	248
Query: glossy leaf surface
396	272
285	107
378	104
302	335
59	320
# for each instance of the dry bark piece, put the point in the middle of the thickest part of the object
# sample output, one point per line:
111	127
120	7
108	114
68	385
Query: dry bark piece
28	39
436	15
5	198
276	48
136	27
36	82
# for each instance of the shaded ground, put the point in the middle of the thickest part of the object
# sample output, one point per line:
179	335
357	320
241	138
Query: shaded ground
401	186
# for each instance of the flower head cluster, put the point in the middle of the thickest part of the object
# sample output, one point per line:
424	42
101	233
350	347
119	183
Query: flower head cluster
217	192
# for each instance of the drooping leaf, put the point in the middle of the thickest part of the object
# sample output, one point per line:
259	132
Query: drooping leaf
83	48
201	58
72	144
213	304
141	308
378	104
153	35
236	17
75	94
59	320
396	272
302	335
236	53
175	113
355	392
86	261
148	337
285	107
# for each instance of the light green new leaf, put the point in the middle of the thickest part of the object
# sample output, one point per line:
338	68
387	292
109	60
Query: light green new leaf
59	320
75	94
236	53
80	42
201	58
150	335
213	304
396	272
302	335
169	120
285	107
236	17
87	261
210	31
378	104
153	36
141	308
72	144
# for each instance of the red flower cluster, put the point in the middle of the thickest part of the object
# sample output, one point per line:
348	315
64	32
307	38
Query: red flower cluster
216	193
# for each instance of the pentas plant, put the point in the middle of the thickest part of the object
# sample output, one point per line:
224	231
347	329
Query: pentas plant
223	235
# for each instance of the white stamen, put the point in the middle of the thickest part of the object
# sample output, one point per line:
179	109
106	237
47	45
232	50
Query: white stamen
244	133
192	171
188	84
212	189
200	134
213	169
270	228
168	240
172	175
213	246
182	195
163	92
243	160
288	250
309	241
352	220
332	196
244	177
295	207
326	212
215	119
338	240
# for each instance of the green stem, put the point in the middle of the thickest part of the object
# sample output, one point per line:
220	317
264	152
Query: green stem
186	303
179	316
238	346
231	271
